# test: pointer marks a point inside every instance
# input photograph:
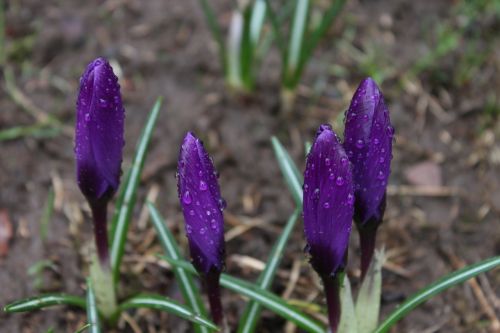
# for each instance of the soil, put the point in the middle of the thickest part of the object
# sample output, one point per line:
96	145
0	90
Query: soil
164	48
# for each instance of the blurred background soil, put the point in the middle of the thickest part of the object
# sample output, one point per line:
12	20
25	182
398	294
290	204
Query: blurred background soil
437	62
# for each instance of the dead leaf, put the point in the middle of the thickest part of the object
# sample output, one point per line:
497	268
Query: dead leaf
6	232
424	173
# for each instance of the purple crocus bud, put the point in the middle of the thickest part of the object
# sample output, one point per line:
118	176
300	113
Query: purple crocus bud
328	209
99	143
202	205
368	142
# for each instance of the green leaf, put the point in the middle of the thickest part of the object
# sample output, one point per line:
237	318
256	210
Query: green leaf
289	170
216	31
368	301
264	297
297	35
83	328
43	301
234	49
348	323
36	131
189	290
127	197
312	42
250	316
161	303
92	312
435	288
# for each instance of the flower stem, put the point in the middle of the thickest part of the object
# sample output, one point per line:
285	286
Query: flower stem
367	239
99	214
212	286
332	293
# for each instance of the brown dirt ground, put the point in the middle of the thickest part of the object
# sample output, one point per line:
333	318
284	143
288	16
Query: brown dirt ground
164	48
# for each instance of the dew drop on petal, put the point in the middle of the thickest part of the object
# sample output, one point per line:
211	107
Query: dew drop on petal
327	161
191	212
340	181
360	144
203	231
326	205
186	198
203	185
344	161
350	199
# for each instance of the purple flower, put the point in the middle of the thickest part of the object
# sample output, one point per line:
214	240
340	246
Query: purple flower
99	132
368	142
328	202
202	205
99	143
328	210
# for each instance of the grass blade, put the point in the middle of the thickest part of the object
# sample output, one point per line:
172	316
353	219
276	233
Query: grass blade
298	32
289	170
435	288
92	312
127	197
250	316
36	131
189	290
83	328
161	303
264	297
234	48
43	301
257	20
216	32
312	42
48	209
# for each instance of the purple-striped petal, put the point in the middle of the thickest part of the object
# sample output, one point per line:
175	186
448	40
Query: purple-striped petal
99	131
368	143
328	203
202	205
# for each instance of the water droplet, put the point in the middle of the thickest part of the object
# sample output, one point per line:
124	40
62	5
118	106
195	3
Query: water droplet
331	176
186	198
316	194
191	212
390	131
380	175
87	117
213	224
208	213
340	181
350	199
189	229
344	161
222	204
376	141
381	159
203	185
305	187
203	231
360	143
326	205
365	117
103	102
327	161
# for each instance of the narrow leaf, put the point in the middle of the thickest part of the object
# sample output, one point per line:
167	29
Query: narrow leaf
189	290
161	303
123	212
251	315
234	48
215	30
43	301
368	301
83	328
298	32
348	323
289	170
92	312
264	297
437	287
